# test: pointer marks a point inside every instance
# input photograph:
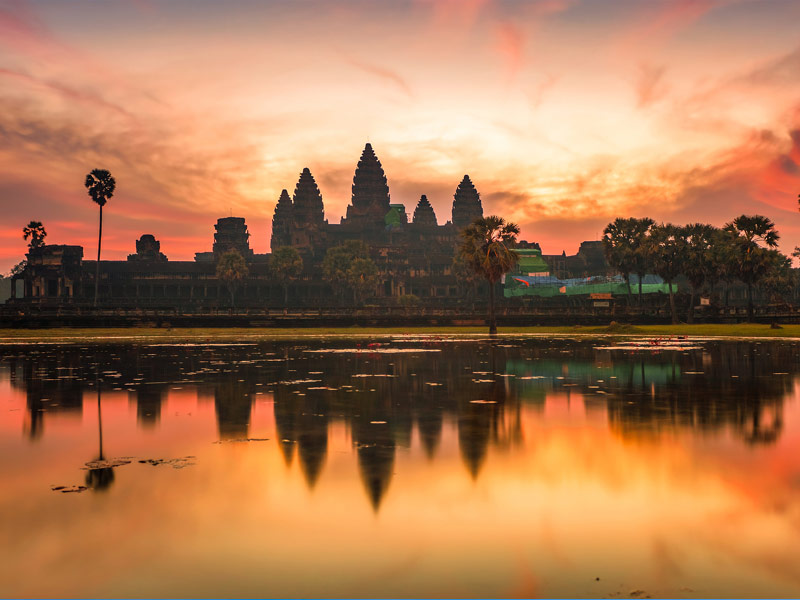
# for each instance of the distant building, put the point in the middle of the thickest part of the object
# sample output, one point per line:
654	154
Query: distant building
413	256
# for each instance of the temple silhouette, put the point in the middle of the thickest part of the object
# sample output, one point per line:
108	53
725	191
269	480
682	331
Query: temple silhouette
413	257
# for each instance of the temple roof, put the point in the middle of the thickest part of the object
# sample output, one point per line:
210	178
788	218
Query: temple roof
370	198
423	214
466	204
308	206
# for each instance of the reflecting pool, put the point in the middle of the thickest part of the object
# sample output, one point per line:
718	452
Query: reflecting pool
400	467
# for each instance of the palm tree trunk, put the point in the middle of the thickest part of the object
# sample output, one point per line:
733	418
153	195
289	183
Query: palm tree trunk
640	276
492	321
690	314
97	266
750	302
672	305
286	295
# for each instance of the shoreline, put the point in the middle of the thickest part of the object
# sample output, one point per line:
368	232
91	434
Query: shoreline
98	335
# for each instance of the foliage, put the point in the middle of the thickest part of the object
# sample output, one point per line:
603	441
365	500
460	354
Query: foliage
100	186
349	267
778	280
286	265
623	241
362	277
487	247
408	300
231	270
36	233
666	250
18	268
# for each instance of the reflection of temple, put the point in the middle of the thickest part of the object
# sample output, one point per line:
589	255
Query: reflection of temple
387	400
413	256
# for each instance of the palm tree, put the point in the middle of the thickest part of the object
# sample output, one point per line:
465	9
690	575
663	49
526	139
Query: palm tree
665	249
35	231
750	261
286	265
487	246
622	241
232	269
100	186
699	259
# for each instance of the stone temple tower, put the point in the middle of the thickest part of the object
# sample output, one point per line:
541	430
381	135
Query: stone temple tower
466	204
282	222
370	200
308	212
423	214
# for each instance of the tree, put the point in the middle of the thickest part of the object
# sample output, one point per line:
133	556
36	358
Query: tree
100	186
341	271
231	270
750	261
18	268
779	280
622	242
698	263
466	279
487	246
36	233
362	277
286	265
665	249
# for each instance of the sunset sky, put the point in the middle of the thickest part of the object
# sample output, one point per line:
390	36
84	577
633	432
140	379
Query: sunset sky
565	113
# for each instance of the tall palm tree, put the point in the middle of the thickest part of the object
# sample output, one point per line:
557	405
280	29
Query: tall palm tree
750	260
666	250
35	231
623	241
100	185
487	246
699	264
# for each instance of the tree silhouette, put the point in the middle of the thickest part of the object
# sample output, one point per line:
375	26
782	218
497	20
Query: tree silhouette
665	248
487	246
100	186
622	242
343	272
286	265
231	270
698	264
362	277
749	259
36	233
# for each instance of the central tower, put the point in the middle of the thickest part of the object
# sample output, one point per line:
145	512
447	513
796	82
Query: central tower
370	200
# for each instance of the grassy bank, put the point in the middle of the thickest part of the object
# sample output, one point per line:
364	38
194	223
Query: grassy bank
743	330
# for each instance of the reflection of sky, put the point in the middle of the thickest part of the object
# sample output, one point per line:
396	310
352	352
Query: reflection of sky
566	113
565	501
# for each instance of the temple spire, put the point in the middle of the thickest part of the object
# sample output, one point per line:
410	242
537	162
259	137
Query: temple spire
281	222
370	199
466	204
308	206
423	214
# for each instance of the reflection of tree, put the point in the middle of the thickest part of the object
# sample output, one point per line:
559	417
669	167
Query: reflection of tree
733	387
50	386
101	477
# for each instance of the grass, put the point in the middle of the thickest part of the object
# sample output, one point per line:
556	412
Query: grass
743	330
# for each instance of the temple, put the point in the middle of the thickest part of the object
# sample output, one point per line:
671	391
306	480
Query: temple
414	256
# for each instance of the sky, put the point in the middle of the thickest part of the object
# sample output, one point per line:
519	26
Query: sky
565	113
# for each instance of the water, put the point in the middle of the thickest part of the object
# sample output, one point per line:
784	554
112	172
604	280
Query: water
418	467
